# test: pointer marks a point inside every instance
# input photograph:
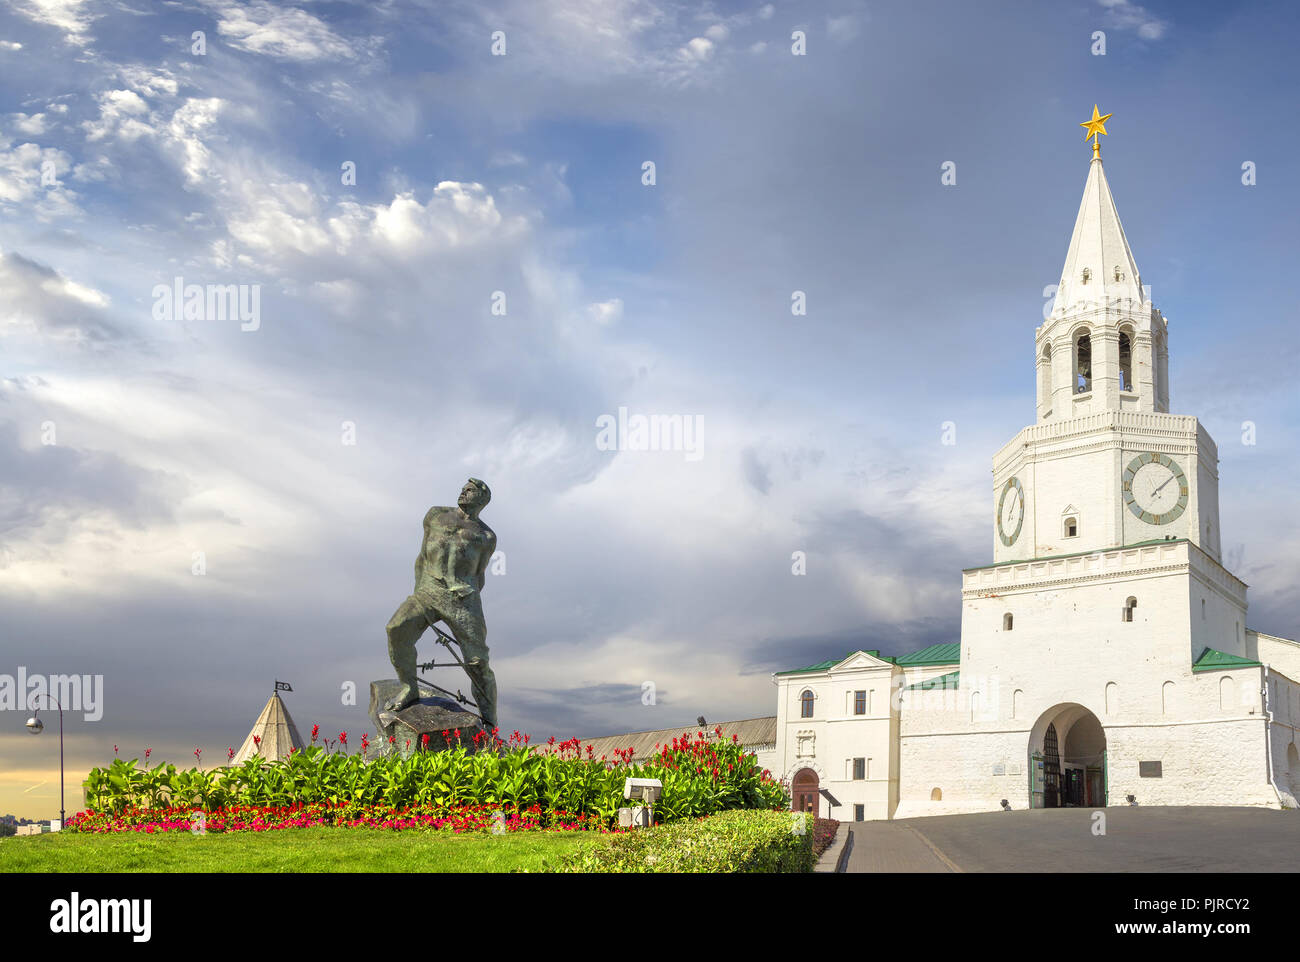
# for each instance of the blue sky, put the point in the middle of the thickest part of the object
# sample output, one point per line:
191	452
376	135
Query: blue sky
522	173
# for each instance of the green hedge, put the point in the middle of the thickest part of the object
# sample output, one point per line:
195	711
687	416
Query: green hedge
735	841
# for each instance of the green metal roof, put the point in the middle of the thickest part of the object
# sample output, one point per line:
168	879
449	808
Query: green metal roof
832	662
946	654
1213	660
950	680
949	654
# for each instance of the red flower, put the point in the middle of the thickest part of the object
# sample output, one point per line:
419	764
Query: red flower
315	730
343	737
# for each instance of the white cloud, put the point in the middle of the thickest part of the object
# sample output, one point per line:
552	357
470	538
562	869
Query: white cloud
32	125
281	33
20	180
42	303
73	17
1130	16
120	113
698	49
606	312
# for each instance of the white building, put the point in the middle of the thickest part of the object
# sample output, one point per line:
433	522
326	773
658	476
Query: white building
1104	654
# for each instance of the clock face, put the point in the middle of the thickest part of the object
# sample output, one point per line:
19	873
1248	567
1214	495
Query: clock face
1155	488
1011	511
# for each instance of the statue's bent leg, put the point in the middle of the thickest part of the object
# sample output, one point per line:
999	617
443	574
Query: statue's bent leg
471	634
404	630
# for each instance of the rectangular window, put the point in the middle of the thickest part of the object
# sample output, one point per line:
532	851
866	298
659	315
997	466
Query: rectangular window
859	769
1149	769
859	703
859	813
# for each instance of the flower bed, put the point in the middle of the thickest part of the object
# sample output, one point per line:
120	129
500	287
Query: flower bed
823	834
250	818
561	781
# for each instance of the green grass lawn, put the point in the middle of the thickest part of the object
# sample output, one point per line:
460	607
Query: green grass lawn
289	850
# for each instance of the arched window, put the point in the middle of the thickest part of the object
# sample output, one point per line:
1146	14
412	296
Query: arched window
1071	527
1202	609
1017	702
936	795
806	704
1129	607
1087	274
1167	697
1008	622
1125	362
1083	363
1112	698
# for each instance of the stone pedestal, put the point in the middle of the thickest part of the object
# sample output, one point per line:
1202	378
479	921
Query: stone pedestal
433	714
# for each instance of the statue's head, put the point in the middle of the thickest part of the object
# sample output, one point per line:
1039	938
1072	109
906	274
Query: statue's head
474	497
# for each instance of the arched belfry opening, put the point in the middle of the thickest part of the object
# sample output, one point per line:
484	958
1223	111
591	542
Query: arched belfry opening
1126	362
1083	363
1067	759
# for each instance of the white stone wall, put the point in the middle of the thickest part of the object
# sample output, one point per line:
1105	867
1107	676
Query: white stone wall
1069	645
828	742
1209	756
1283	654
1284	740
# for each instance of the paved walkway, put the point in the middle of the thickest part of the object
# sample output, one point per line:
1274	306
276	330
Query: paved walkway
892	847
1136	839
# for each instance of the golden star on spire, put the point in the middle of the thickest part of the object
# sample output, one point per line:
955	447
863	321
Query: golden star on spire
1095	126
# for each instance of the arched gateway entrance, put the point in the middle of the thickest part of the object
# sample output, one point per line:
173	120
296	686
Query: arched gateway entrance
1067	759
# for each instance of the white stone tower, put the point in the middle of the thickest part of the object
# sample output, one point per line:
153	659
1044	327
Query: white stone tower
1104	652
1105	464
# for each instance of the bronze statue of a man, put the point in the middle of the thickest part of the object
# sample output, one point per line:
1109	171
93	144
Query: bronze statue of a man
449	574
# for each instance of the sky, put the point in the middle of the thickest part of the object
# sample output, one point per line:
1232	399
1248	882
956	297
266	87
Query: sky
460	269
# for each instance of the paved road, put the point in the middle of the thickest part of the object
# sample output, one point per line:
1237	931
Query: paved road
1061	840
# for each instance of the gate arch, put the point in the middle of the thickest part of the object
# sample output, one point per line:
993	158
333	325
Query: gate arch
1067	758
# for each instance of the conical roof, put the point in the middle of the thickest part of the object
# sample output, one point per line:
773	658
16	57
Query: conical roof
1098	246
276	731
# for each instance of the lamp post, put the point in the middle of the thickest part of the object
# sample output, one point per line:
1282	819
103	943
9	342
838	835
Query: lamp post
36	726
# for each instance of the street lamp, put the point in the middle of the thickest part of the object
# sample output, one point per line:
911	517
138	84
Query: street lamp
36	726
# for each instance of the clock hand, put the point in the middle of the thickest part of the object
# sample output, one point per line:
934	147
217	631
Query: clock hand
1167	480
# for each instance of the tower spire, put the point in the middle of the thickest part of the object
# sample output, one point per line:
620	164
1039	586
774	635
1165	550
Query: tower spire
1099	265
